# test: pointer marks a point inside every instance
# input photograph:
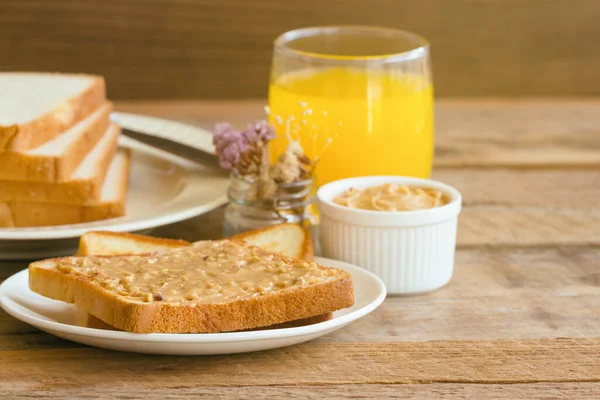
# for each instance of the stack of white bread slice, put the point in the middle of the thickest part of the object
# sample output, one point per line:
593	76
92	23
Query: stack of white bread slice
59	158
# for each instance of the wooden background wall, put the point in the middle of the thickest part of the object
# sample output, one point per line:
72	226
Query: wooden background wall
221	48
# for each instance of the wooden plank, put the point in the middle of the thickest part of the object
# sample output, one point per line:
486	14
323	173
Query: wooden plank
34	340
478	225
469	133
546	391
509	361
494	226
502	207
12	326
184	49
547	189
524	133
496	293
528	226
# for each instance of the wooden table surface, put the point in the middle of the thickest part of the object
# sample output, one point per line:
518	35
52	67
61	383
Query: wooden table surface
520	319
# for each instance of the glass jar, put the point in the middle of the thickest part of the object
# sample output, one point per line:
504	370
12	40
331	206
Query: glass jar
255	205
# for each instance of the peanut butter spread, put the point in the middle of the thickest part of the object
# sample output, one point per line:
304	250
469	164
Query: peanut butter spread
390	197
208	272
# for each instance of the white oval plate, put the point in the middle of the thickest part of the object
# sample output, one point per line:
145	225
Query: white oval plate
66	321
163	189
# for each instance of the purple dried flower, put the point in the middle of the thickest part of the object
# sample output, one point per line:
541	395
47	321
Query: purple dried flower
224	134
229	144
230	156
259	131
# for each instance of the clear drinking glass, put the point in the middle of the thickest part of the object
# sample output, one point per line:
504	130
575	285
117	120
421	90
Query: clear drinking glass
358	98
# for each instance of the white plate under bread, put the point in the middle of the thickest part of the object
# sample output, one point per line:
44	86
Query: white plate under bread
66	321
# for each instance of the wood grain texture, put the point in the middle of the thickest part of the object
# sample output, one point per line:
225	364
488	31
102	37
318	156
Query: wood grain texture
496	293
534	391
492	226
525	134
222	49
508	361
482	133
519	319
543	189
528	226
519	208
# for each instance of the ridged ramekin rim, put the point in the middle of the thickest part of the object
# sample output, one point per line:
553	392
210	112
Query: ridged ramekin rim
389	218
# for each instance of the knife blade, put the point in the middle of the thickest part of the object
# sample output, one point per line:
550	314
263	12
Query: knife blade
179	149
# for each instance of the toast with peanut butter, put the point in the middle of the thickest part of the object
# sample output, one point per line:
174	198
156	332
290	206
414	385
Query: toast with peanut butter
291	240
209	287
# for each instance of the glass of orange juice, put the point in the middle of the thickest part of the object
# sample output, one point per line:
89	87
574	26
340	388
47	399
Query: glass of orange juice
360	99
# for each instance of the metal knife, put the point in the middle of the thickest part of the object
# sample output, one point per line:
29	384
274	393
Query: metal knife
190	153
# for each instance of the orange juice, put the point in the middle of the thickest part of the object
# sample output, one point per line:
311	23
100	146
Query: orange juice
370	122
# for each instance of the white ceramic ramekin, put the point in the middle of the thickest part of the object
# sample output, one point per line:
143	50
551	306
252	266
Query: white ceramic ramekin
411	251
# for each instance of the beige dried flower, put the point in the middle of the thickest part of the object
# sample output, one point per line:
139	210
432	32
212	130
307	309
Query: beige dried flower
291	166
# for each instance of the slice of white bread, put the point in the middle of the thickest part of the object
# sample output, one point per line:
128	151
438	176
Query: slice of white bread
195	289
292	240
110	205
84	185
37	107
57	159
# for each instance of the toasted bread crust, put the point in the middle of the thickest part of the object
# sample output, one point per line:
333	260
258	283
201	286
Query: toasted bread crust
95	323
41	214
28	214
34	133
157	317
85	248
53	168
76	192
